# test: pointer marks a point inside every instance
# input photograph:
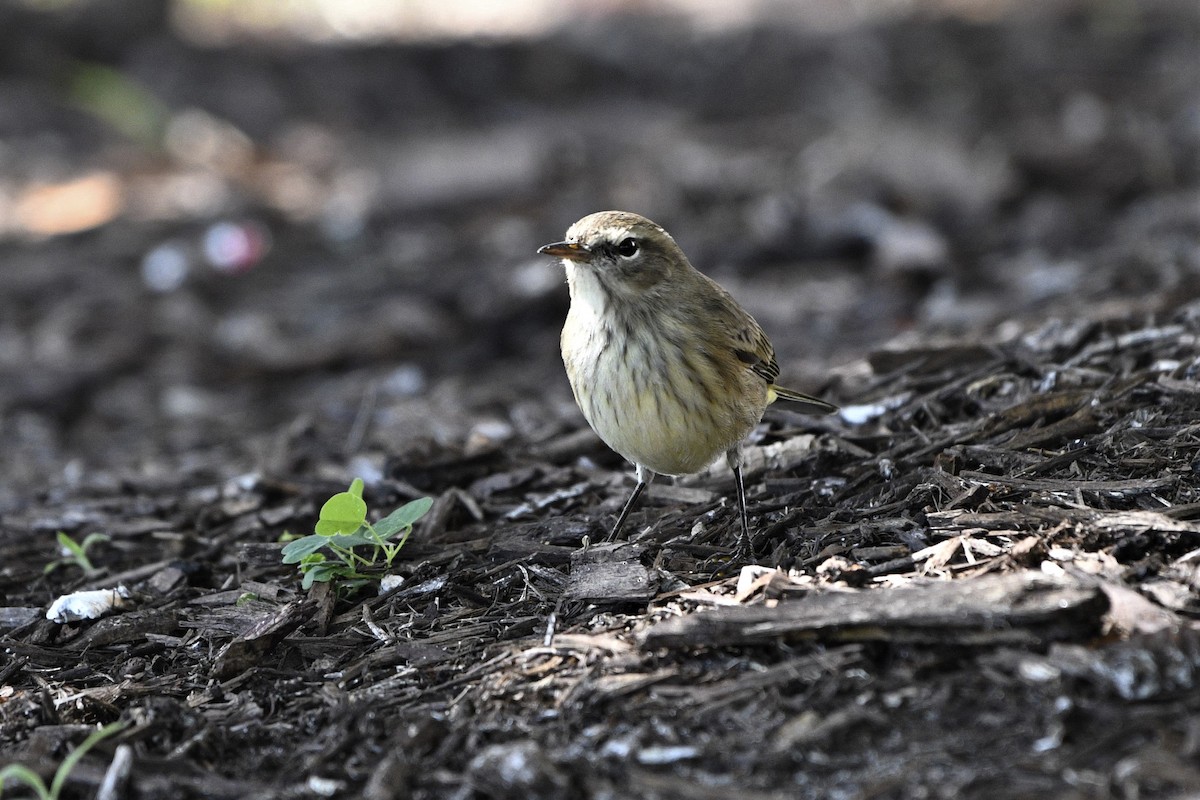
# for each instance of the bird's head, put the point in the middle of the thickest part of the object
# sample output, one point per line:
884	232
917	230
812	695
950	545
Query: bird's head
627	253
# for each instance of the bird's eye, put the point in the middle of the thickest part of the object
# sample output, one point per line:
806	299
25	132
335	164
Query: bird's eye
627	248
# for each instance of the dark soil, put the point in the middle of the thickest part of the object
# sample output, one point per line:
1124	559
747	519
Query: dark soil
977	230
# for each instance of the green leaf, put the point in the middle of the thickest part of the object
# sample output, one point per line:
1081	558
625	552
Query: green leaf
68	764
296	550
360	536
345	512
70	545
403	517
323	573
356	487
94	538
19	773
120	101
348	586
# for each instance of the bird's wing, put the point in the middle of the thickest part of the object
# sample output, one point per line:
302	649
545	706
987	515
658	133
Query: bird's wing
753	348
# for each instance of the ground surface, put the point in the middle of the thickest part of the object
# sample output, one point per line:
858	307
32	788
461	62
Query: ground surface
979	231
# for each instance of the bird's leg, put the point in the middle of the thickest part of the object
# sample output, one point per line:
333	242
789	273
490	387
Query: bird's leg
745	549
644	477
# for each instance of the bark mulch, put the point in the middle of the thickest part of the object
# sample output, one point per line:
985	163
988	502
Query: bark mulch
986	586
975	226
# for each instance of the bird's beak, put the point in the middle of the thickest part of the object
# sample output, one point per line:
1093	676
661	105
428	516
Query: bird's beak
569	250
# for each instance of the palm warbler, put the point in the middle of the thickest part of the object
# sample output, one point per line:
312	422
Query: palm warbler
667	368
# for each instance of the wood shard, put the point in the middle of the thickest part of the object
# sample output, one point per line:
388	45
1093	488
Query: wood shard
1021	607
607	574
1113	522
246	650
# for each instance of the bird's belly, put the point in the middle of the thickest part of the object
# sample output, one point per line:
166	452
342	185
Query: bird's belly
656	407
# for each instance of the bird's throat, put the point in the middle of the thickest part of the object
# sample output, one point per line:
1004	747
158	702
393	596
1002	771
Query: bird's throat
587	290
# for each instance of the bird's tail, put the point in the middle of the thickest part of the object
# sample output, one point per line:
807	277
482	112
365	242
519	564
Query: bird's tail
808	404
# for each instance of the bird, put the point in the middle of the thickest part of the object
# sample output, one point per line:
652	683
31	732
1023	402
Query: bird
667	368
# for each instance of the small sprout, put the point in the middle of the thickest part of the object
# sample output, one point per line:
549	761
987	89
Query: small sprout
341	528
75	553
19	773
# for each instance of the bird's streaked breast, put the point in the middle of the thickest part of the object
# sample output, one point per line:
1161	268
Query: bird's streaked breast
652	392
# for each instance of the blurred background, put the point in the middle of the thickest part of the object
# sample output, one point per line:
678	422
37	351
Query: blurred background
298	236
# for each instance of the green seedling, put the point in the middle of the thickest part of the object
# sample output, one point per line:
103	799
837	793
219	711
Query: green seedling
359	549
75	552
120	101
19	773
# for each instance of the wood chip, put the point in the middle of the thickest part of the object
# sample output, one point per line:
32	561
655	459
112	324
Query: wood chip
610	574
246	650
1020	607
